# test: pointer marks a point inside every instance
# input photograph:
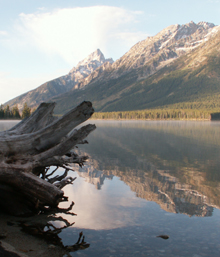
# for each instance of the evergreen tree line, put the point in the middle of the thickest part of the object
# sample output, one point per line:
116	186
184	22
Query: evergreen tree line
156	114
13	113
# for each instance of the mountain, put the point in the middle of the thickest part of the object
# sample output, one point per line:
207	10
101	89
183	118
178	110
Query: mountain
177	68
62	84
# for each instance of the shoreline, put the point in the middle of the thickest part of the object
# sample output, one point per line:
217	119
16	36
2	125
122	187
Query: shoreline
11	119
154	119
18	243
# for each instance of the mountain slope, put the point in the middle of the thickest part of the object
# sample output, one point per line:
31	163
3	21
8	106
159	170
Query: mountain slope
178	66
62	84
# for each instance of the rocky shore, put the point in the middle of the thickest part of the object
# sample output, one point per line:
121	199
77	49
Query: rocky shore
14	242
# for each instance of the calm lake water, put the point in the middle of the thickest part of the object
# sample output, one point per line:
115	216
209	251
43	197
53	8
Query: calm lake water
144	179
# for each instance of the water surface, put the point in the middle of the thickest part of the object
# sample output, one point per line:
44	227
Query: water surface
144	179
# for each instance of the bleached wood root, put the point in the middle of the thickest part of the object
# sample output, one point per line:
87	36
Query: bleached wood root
36	143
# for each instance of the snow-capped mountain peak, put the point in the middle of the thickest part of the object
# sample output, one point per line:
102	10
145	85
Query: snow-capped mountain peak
91	62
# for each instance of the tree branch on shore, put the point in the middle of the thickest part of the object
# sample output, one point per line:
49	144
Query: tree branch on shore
30	148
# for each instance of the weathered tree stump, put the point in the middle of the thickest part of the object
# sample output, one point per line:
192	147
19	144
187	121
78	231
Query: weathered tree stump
30	148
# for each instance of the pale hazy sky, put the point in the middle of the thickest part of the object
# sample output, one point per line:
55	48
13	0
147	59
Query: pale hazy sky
43	39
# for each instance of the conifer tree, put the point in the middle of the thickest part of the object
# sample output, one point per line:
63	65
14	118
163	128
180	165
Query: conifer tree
7	112
2	113
26	112
15	112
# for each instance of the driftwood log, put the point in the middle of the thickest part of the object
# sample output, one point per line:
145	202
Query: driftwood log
28	150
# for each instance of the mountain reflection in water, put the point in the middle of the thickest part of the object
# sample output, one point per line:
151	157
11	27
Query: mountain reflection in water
145	179
171	163
157	186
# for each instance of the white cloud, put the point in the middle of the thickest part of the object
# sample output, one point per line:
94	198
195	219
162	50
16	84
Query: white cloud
76	32
3	33
63	35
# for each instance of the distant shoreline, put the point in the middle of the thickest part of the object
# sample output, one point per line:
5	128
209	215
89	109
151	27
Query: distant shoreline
159	114
152	119
136	119
11	119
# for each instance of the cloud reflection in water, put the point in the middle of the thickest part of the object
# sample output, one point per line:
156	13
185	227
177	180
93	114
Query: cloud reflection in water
103	209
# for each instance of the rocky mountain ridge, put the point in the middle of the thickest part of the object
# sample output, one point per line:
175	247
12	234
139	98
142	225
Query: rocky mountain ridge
159	71
161	49
86	67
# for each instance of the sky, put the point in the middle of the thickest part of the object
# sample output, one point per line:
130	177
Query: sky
41	40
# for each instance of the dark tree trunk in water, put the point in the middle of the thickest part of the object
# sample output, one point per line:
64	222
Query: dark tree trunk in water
30	148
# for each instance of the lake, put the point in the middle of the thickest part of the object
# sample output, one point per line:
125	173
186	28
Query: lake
144	179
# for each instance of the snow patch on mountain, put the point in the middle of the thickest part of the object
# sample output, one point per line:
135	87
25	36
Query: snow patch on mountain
91	62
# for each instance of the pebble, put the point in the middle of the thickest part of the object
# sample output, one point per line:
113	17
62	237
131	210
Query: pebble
51	246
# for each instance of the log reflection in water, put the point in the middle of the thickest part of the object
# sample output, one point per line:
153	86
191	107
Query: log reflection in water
43	228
